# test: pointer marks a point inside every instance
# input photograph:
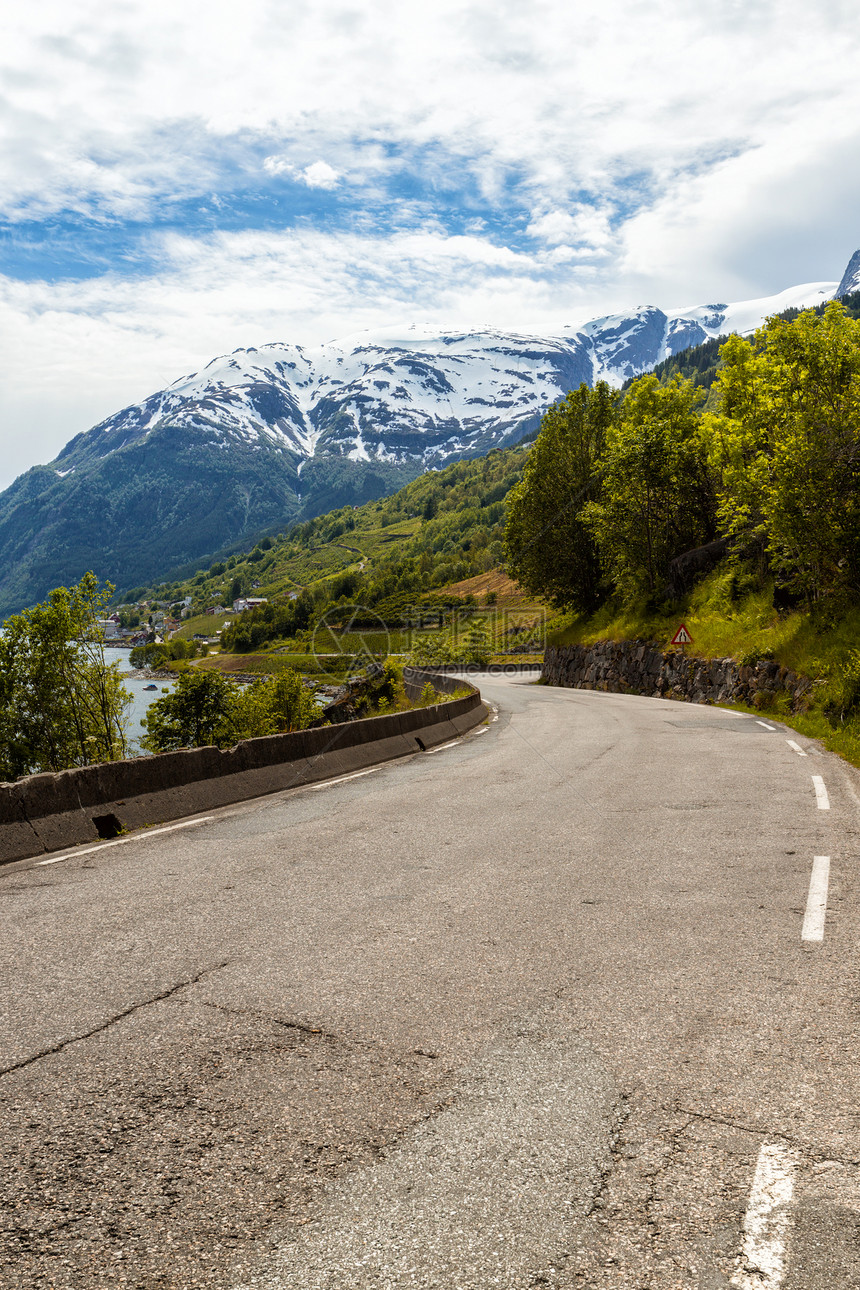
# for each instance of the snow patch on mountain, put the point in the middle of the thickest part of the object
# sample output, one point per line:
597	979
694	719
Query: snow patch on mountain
746	315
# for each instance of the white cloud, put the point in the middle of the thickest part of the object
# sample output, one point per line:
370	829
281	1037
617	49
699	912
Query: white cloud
278	166
574	98
585	228
320	175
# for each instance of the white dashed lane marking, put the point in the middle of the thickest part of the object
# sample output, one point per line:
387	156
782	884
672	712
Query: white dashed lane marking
816	902
342	779
768	1220
766	726
821	798
797	748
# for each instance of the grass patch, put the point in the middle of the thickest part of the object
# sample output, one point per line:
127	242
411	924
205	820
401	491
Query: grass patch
203	625
727	618
321	666
261	664
501	660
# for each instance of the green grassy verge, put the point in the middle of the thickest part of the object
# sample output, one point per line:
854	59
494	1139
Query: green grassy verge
729	617
266	664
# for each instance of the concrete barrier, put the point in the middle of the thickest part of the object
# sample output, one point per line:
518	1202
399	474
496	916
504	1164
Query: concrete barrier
47	812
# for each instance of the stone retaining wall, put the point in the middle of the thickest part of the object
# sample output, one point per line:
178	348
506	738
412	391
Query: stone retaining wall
47	812
640	667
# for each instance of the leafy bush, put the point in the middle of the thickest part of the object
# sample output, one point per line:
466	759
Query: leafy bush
750	657
841	699
207	708
428	696
385	689
157	656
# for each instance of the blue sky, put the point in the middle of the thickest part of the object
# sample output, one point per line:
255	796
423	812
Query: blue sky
178	181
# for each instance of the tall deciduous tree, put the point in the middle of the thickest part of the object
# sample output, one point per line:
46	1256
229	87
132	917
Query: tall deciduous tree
656	499
549	549
786	444
61	703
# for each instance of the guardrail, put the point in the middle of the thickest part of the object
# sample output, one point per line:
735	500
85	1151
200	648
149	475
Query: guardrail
48	812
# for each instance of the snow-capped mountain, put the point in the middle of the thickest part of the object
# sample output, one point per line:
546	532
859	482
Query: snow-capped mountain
416	396
262	437
850	278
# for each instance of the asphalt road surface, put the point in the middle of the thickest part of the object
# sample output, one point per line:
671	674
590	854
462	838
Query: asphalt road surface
569	1003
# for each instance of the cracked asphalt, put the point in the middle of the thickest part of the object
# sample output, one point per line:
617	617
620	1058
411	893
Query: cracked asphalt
522	1012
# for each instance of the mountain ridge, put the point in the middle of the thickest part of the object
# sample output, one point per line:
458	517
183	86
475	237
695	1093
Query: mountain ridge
423	394
263	437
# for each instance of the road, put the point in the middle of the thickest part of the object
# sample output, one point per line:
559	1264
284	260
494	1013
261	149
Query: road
534	1009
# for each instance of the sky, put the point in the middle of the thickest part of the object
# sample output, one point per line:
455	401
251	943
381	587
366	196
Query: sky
181	180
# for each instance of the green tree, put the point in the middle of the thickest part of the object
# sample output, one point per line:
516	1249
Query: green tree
206	708
194	715
786	446
248	715
656	499
293	706
470	647
61	703
475	647
549	548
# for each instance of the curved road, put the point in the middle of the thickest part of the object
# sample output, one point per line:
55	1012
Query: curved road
558	1005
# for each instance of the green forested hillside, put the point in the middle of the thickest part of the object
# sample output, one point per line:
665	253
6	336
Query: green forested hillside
159	504
443	527
618	489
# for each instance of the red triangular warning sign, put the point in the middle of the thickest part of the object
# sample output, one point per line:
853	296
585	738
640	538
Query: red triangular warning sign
682	636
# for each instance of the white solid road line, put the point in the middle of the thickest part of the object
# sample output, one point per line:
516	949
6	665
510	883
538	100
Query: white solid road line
453	744
132	837
767	1220
797	748
821	793
816	902
341	779
766	726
